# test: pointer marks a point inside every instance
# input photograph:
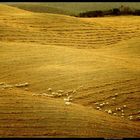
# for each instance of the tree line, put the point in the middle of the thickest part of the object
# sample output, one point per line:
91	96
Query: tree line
123	10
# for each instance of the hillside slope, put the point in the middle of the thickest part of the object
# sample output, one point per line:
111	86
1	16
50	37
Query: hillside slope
89	59
71	8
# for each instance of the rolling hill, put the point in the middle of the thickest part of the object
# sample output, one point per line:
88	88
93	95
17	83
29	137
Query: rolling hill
71	8
95	61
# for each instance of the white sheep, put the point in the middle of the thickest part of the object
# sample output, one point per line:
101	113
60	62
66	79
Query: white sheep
115	114
66	99
130	117
98	107
107	103
101	105
123	114
22	85
109	111
67	103
124	106
49	89
113	98
96	103
60	91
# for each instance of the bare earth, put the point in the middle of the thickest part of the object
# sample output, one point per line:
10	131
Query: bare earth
96	61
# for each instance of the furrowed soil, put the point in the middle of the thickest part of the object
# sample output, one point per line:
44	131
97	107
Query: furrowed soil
96	61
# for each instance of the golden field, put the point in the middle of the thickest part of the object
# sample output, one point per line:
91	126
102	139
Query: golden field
96	61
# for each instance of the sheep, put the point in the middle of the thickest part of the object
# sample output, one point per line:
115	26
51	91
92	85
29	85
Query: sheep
118	109
22	85
98	107
124	106
131	117
101	105
67	103
123	114
107	103
59	95
34	94
109	111
70	91
96	103
44	94
116	94
113	98
115	114
122	111
60	91
49	95
7	86
49	89
54	93
66	99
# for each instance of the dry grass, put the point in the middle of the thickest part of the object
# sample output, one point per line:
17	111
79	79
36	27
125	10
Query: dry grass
64	53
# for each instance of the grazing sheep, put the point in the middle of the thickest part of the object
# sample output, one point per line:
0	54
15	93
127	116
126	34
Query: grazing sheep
60	91
118	109
115	114
116	94
107	103
98	107
96	103
22	85
54	93
7	86
101	105
123	114
49	95
122	111
44	94
109	111
113	98
68	103
49	89
131	117
59	95
34	94
124	106
66	99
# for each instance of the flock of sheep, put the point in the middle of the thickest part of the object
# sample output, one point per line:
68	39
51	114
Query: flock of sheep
67	95
4	85
118	110
68	98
